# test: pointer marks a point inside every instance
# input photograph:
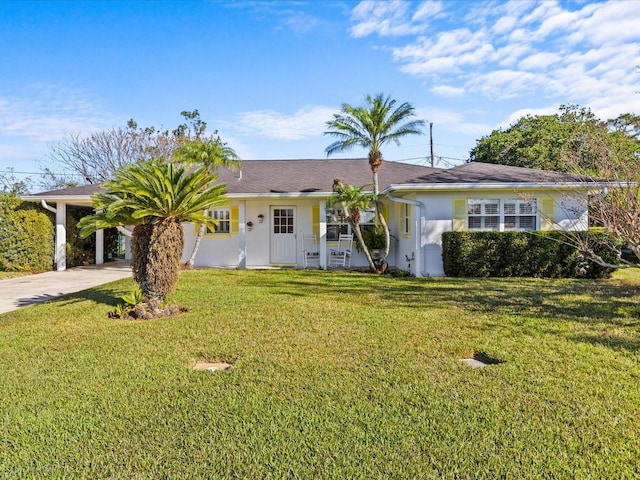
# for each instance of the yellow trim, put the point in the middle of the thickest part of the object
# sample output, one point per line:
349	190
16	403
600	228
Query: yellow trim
547	213
234	225
460	211
385	214
315	221
233	222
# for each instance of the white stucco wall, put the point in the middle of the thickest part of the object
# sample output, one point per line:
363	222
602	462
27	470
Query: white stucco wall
226	250
570	214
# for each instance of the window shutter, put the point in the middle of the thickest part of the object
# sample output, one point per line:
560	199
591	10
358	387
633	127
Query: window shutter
459	214
315	221
385	214
547	214
234	220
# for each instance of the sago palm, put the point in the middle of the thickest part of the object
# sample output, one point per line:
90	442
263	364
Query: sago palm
156	198
371	126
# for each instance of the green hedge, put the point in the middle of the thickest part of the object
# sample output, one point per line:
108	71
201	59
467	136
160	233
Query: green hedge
523	254
26	237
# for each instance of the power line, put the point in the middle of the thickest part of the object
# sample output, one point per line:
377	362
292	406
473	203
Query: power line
42	173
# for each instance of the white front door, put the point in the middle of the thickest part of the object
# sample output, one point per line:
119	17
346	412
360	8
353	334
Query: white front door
283	236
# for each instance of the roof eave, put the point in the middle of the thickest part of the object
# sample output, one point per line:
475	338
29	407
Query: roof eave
58	198
240	196
493	186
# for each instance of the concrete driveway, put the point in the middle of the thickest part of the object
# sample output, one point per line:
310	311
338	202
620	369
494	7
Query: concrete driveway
23	291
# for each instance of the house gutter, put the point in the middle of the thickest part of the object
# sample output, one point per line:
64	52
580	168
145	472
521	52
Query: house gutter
423	213
493	186
46	206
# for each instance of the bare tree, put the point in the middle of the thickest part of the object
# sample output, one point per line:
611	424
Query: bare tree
12	185
94	159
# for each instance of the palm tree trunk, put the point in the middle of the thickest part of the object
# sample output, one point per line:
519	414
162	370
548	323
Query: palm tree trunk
356	228
383	222
196	246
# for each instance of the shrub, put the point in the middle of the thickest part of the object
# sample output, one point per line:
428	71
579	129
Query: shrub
26	236
80	251
523	254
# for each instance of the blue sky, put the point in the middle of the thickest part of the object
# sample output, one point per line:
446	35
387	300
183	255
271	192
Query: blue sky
268	74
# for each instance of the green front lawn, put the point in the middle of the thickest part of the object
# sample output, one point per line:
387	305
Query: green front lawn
335	375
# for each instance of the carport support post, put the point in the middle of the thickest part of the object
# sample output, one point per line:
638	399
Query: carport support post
61	236
99	247
323	234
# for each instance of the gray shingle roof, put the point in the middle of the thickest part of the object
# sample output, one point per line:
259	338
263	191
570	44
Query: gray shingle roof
478	173
314	176
259	177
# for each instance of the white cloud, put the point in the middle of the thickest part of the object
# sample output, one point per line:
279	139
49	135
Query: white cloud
298	22
545	51
447	91
518	114
392	18
611	22
304	123
428	9
46	113
540	61
453	121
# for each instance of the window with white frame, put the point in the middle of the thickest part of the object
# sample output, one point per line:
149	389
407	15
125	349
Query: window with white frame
483	214
502	215
520	214
337	222
223	216
405	219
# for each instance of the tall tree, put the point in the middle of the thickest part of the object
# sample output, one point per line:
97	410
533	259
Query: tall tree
352	200
371	126
156	198
572	139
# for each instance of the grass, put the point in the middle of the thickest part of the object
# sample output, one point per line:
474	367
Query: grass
335	375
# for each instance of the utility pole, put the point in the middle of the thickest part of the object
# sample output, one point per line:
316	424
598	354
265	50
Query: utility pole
433	158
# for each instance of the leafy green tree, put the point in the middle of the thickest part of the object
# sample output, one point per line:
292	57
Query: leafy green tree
155	197
572	140
371	126
352	200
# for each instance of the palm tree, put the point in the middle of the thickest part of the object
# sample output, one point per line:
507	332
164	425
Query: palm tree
210	153
155	197
351	200
371	126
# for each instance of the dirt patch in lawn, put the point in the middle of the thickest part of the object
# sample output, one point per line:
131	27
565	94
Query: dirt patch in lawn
481	359
212	366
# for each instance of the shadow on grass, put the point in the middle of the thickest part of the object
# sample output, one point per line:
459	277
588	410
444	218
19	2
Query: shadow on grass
586	301
105	296
606	340
597	304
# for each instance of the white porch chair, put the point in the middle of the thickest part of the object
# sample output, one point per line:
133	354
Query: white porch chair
310	251
341	256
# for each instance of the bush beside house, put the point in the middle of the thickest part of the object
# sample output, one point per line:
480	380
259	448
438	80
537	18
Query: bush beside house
26	236
523	254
